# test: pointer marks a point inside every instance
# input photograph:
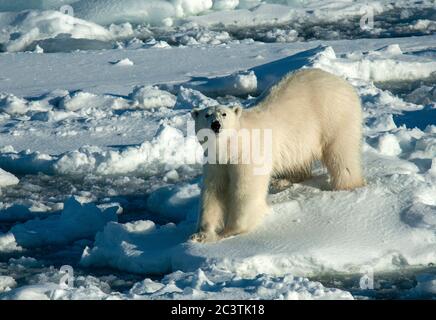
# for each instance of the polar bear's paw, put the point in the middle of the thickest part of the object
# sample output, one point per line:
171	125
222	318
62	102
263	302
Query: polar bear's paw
278	185
203	237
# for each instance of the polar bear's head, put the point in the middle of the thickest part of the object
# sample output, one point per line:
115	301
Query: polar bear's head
217	118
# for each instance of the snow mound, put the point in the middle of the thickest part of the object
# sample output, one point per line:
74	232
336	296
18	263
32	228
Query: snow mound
98	24
85	288
146	97
168	150
161	45
7	179
176	203
134	246
77	221
205	12
216	283
195	36
89	102
138	11
31	26
386	64
388	145
19	5
126	62
8	243
189	98
6	283
238	84
11	104
209	283
60	105
26	162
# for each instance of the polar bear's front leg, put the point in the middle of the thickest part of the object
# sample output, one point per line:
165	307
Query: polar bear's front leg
247	201
211	217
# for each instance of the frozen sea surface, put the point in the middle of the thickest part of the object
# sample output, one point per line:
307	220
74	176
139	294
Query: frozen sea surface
93	148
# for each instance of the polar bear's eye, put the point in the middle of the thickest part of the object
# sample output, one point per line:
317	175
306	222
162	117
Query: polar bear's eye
224	114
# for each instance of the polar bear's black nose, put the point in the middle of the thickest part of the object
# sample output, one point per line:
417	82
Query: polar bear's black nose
216	126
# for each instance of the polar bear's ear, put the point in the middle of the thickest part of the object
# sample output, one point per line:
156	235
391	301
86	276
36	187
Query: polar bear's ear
195	112
237	110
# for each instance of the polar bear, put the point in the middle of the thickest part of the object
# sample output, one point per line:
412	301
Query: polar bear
312	115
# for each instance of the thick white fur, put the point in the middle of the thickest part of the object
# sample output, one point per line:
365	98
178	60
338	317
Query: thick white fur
313	115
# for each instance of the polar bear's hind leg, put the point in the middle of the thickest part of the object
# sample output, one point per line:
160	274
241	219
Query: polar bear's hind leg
343	163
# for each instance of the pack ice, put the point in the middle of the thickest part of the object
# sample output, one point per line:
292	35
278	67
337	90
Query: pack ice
105	134
388	224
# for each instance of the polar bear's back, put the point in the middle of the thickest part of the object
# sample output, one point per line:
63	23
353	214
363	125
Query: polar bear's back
311	87
310	97
306	111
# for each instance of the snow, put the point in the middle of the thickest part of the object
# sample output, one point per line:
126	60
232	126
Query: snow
100	168
124	62
146	97
138	11
99	24
6	283
38	49
159	44
7	179
94	73
8	243
236	84
386	64
175	203
11	104
76	222
32	26
149	158
304	235
78	101
337	243
424	24
132	246
167	13
388	145
18	5
212	283
432	169
215	283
